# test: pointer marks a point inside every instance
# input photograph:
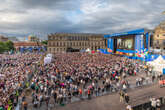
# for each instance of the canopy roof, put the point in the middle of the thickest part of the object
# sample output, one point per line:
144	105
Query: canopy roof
138	31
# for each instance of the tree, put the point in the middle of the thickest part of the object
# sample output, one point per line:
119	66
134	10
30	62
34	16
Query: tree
45	42
2	47
10	45
6	46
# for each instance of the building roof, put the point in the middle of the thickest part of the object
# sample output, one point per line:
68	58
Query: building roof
3	39
1	36
85	34
27	44
13	39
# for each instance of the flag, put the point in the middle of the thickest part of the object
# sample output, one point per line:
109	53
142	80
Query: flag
109	50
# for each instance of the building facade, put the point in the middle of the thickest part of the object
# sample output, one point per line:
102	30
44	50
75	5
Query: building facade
28	46
159	36
60	42
13	39
3	39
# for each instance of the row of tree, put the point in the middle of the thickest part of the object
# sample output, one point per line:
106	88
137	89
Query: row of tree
6	46
9	46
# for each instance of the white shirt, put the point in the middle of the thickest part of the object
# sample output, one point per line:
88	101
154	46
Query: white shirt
129	107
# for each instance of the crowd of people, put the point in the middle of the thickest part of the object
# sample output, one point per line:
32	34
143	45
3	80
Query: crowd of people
15	70
81	75
69	77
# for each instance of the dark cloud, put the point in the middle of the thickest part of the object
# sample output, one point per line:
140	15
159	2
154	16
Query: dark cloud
41	17
49	4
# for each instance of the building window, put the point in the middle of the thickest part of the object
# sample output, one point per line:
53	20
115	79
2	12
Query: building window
50	49
82	43
51	44
163	42
56	37
85	38
57	44
85	43
50	37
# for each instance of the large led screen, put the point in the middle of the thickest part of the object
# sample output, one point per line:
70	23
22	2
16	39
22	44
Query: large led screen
125	43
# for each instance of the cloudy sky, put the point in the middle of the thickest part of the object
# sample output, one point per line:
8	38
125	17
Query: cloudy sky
41	17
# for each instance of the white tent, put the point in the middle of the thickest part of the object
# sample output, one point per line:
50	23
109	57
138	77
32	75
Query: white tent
48	59
158	64
49	55
88	50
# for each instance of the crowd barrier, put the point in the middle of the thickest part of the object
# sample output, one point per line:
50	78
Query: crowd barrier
147	105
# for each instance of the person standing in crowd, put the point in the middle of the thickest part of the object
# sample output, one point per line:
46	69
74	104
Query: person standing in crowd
121	93
153	103
128	107
127	99
25	104
89	94
79	75
158	104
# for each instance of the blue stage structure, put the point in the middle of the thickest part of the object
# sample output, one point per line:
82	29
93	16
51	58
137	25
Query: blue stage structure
133	44
138	36
139	40
164	71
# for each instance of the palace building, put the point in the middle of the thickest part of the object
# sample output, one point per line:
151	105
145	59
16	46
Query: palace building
159	36
60	42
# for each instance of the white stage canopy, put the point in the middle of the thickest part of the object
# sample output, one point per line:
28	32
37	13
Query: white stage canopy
158	64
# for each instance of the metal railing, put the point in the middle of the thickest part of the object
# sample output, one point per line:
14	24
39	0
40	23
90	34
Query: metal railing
147	105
